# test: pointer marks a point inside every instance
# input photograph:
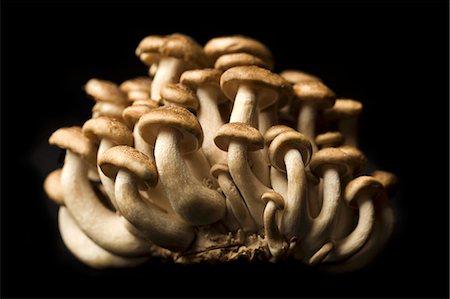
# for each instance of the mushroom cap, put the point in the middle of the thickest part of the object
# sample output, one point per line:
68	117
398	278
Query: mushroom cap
52	186
201	77
274	131
108	109
275	197
330	157
149	103
343	108
314	93
228	61
219	168
295	76
330	139
387	179
148	49
132	114
286	141
72	138
357	159
105	91
129	158
185	48
270	86
239	132
237	44
361	185
179	118
108	128
179	95
139	83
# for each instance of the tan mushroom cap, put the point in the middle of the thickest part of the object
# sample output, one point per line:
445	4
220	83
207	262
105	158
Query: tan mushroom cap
219	168
387	179
275	197
228	61
330	157
274	131
285	141
344	108
294	76
132	114
361	185
201	77
73	139
129	158
52	186
314	93
107	128
269	85
237	44
185	48
108	109
149	103
179	118
239	132
148	49
138	83
179	95
357	160
105	91
330	139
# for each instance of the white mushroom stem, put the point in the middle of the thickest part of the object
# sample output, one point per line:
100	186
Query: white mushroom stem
250	186
107	183
157	225
188	197
275	240
169	71
85	250
267	118
244	108
349	128
141	145
295	219
306	123
279	181
345	217
199	167
103	226
315	195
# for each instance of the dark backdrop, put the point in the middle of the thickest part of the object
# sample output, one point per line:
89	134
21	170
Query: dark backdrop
391	56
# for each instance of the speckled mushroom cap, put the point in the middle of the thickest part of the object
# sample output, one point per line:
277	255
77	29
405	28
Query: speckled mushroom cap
108	128
148	49
357	160
270	86
294	76
52	186
228	61
191	134
274	131
73	139
241	132
132	114
387	179
219	46
286	141
275	197
105	91
314	93
179	95
330	157
343	108
107	109
185	48
201	77
137	88
330	139
126	157
361	185
149	103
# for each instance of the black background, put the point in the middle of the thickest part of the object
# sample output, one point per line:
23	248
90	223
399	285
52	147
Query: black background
392	56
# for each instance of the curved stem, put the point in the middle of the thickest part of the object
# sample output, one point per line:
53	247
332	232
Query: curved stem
107	183
169	71
275	240
244	108
279	181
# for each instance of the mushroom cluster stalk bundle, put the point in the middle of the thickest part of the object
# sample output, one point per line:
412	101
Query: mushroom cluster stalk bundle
215	157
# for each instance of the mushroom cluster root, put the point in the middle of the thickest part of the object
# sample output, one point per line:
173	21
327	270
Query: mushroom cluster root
214	157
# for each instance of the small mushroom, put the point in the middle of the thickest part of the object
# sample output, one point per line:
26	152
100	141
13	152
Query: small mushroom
388	179
103	226
275	240
228	61
295	76
137	89
346	112
129	167
131	116
148	52
174	131
329	139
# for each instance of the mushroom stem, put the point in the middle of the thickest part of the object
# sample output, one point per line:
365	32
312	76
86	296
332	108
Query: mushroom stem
267	118
275	240
279	181
306	123
169	71
349	128
103	226
108	184
244	108
141	145
315	195
188	197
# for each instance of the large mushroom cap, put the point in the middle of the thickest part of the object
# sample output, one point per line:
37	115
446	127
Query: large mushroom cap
228	61
52	186
201	77
132	114
237	44
357	160
179	95
185	48
286	141
343	108
330	157
361	185
107	128
72	139
274	131
241	132
126	157
294	76
314	93
174	117
105	91
330	139
270	86
148	49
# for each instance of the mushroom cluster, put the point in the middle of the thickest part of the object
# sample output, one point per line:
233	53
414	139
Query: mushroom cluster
215	157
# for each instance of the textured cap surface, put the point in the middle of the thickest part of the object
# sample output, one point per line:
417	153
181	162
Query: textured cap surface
330	158
239	132
274	131
106	91
314	93
201	77
132	114
228	61
330	139
108	128
363	185
179	95
72	139
357	160
185	48
344	108
286	141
